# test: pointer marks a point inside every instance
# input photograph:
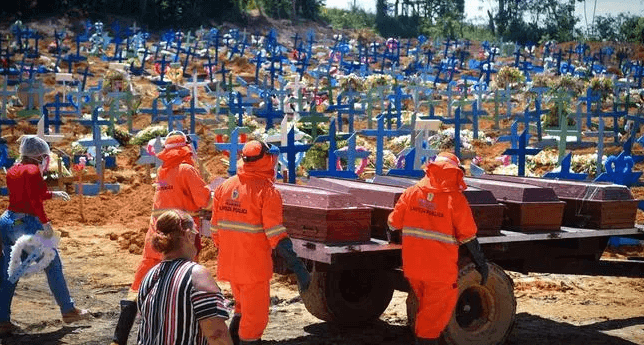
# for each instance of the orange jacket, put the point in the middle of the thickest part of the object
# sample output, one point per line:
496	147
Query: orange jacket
435	218
247	223
179	184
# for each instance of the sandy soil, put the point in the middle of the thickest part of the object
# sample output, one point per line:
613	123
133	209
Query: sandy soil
101	247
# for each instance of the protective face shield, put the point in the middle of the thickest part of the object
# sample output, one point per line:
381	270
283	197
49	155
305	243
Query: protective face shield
266	148
179	139
43	166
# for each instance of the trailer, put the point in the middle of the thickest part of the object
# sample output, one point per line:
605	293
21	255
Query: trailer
353	281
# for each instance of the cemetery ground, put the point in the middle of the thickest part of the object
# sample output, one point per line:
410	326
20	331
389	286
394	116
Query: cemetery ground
101	247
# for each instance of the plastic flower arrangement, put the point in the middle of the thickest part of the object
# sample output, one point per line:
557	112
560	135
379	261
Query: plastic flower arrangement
602	85
351	82
148	133
510	77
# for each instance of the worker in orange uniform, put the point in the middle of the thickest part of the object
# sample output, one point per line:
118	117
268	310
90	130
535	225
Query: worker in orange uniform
435	218
246	226
179	186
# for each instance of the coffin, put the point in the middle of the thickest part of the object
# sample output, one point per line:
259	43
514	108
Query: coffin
324	216
588	204
487	212
381	198
528	208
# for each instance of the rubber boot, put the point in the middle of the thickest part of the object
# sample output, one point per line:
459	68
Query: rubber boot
252	342
234	328
126	320
421	341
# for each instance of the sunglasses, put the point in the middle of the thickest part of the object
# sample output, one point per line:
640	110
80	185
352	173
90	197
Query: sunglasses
266	149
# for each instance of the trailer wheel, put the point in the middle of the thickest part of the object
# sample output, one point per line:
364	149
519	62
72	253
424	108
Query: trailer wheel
348	297
484	314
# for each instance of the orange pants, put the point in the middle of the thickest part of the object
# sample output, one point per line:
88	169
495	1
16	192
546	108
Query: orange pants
252	302
436	302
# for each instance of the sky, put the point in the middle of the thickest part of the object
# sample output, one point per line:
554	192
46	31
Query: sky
476	9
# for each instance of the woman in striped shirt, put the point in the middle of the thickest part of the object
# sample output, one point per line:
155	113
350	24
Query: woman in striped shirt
179	301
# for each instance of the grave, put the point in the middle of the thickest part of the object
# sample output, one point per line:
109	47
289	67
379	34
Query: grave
323	216
525	205
487	212
588	205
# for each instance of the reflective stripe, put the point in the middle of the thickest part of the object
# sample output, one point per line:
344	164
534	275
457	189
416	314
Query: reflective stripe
468	239
235	226
275	231
429	235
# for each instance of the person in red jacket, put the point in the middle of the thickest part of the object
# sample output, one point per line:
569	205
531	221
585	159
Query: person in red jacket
179	186
26	216
246	226
435	218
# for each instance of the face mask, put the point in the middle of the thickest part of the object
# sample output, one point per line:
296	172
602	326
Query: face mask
44	165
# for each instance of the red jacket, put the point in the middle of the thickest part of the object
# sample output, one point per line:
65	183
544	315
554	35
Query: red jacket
27	190
247	223
435	218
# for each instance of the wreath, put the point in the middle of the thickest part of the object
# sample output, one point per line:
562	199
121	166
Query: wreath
41	253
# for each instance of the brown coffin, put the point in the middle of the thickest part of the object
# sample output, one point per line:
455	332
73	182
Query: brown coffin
323	216
590	205
381	198
487	212
529	208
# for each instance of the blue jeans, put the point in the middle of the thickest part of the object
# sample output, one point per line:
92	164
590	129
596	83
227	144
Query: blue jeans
12	226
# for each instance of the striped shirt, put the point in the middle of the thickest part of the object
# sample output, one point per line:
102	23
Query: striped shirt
171	307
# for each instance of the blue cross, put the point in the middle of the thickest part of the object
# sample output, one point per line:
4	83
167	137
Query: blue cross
56	121
234	147
619	170
97	140
269	113
521	152
380	134
408	170
291	149
332	170
628	149
192	111
457	121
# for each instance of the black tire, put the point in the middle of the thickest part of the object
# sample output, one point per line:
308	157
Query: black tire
348	297
484	314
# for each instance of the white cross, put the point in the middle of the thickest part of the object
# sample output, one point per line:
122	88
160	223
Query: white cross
50	138
194	86
297	86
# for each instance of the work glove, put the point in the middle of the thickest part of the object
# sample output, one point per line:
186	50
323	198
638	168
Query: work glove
285	250
394	235
479	259
47	230
60	195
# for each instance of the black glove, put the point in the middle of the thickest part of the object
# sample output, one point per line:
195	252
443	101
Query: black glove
285	250
394	235
479	259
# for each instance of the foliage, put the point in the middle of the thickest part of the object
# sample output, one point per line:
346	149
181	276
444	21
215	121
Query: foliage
308	9
348	19
602	85
509	76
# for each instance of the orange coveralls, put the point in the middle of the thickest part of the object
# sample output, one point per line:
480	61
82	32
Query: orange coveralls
435	218
246	226
179	186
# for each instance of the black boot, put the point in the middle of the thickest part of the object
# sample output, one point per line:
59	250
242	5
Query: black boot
253	342
234	329
126	320
421	341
